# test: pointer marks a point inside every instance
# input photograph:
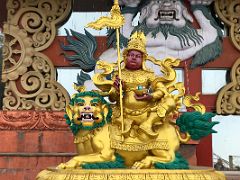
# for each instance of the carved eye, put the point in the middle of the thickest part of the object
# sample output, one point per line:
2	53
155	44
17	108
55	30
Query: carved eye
80	104
94	104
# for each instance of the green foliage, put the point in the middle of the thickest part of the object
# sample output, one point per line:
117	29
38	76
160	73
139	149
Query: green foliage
179	163
198	125
81	78
208	53
83	46
111	33
213	50
118	163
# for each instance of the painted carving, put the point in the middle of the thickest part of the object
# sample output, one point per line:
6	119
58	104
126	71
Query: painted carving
228	11
133	174
28	74
169	30
169	33
38	120
228	98
101	144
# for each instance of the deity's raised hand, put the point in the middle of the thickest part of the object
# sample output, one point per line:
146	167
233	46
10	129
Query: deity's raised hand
116	83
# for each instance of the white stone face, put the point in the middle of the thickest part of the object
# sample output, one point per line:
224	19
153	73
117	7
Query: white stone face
158	13
165	12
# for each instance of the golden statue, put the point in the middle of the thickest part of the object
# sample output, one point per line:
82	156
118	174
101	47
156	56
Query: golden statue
150	136
137	129
147	137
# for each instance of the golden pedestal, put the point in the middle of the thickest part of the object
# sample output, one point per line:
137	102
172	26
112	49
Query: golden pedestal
195	173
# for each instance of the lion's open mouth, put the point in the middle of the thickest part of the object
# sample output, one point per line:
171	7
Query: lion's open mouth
87	117
167	15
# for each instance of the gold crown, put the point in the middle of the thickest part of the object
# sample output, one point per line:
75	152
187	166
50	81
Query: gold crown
137	42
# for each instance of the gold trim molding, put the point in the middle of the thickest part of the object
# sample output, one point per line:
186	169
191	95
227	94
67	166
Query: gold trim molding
229	12
134	174
28	74
228	100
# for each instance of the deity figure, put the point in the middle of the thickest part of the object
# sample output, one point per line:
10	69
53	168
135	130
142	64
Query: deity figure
140	131
146	100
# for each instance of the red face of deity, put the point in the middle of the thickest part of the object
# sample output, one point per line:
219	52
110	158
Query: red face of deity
134	60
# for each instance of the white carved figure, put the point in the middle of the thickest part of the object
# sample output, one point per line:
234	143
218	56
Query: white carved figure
168	27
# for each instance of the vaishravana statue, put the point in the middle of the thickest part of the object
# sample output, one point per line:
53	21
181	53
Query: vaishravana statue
148	135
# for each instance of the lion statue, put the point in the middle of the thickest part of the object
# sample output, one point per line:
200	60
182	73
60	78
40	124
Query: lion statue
89	117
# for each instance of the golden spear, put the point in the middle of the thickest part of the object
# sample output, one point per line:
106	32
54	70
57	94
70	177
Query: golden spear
115	21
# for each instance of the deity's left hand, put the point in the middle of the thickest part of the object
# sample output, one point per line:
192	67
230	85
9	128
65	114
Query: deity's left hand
144	97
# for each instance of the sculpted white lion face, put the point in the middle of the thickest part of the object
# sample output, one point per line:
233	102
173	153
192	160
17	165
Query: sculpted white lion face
165	12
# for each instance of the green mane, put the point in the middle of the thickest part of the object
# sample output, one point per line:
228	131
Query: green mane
75	127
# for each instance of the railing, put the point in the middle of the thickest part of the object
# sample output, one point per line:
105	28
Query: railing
233	164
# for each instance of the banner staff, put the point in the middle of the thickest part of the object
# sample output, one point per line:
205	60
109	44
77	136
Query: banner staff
115	21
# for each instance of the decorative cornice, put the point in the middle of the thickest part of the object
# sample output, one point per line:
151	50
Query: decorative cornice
229	12
32	120
228	101
29	75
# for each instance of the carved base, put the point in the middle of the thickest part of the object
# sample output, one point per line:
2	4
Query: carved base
123	174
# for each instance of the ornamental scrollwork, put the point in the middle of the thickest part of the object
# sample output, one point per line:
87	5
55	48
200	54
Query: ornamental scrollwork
28	74
229	12
17	52
39	18
228	101
36	88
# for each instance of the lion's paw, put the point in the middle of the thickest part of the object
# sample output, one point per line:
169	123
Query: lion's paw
144	164
72	164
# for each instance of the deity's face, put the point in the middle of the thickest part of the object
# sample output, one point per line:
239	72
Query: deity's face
134	60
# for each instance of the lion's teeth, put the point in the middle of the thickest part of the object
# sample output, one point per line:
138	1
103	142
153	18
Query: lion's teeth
87	116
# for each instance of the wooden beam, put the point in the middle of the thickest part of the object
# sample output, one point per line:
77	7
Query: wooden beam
92	5
3	10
